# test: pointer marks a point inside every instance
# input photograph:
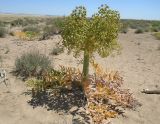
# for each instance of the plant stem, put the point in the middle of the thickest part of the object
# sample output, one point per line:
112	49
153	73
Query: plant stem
85	65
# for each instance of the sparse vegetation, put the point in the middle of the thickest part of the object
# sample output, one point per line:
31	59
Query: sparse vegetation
157	35
2	32
48	31
31	64
139	31
28	35
18	22
100	100
31	29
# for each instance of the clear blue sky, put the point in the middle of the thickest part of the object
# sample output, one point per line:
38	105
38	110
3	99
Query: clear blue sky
132	9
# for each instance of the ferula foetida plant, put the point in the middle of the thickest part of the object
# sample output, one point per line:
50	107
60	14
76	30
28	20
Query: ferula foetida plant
89	35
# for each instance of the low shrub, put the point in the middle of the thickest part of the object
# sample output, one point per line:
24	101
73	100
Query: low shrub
157	35
154	29
48	31
31	35
2	24
31	64
2	32
18	22
31	29
28	35
104	95
138	31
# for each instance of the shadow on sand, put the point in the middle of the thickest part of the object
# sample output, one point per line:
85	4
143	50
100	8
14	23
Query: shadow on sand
66	101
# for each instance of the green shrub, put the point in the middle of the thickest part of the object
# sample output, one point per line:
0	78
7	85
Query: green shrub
48	31
30	21
138	31
157	35
2	32
154	29
31	35
31	64
31	29
2	24
18	22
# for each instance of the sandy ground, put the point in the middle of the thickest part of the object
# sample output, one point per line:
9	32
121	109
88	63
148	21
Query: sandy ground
138	63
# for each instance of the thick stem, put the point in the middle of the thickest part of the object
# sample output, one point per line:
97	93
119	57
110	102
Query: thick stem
85	65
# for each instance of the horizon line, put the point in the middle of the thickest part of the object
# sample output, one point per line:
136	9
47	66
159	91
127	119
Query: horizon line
32	14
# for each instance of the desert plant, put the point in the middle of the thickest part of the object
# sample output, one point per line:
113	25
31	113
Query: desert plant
48	31
31	29
97	34
31	35
17	22
59	23
62	78
31	64
154	29
2	32
138	31
2	24
157	35
28	35
103	100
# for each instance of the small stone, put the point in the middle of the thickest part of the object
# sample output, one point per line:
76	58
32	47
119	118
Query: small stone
74	108
81	109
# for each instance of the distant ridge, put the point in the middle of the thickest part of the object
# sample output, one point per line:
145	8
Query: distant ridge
25	14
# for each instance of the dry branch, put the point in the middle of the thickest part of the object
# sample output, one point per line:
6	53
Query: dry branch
151	91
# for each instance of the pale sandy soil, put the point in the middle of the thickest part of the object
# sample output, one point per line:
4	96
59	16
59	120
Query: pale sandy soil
138	63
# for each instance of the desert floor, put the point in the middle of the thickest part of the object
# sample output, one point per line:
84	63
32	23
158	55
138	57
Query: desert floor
138	63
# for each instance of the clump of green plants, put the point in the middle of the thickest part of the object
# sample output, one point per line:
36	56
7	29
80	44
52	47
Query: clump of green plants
107	91
31	64
154	29
18	22
157	35
31	29
139	31
2	32
2	24
48	31
31	33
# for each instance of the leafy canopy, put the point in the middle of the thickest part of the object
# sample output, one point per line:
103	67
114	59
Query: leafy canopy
95	34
